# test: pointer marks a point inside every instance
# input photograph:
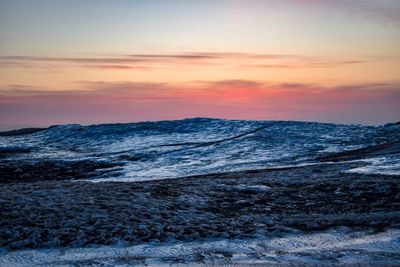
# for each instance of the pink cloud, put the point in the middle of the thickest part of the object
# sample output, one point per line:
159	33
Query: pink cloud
238	99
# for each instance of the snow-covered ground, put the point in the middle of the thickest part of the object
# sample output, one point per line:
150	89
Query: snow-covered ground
334	247
170	149
201	191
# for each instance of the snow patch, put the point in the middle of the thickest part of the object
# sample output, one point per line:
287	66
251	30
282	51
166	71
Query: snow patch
336	246
380	165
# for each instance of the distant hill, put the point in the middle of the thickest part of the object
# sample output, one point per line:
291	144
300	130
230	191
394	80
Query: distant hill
22	131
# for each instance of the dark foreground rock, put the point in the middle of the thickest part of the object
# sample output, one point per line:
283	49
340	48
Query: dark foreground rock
17	171
228	205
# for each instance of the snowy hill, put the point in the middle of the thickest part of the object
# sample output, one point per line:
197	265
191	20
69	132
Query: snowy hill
169	149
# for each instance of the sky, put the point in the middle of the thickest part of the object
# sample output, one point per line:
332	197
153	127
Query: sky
102	61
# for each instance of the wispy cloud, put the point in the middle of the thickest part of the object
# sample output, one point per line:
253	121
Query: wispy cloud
384	11
147	61
115	67
310	64
243	99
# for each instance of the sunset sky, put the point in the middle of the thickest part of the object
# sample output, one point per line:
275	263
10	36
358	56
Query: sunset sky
101	61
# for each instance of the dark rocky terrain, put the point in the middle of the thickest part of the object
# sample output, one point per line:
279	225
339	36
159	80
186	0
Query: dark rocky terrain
228	205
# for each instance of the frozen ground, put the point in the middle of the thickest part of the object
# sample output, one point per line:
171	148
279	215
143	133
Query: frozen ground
334	247
200	191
